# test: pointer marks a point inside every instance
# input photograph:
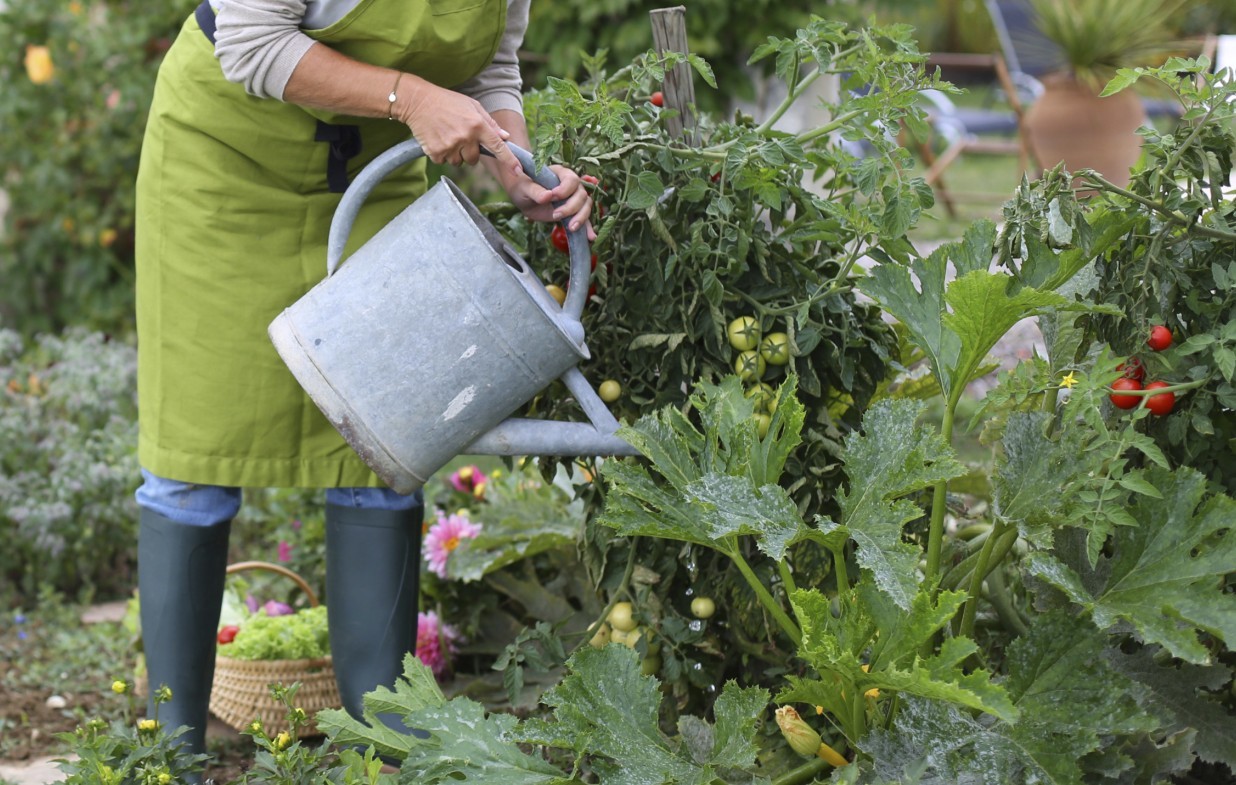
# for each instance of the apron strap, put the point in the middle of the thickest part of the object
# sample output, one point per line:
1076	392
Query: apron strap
206	19
345	140
345	144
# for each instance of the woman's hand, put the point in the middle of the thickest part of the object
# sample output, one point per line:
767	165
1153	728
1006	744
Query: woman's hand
536	202
451	127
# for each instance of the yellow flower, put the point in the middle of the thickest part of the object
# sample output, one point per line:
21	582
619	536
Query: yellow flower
496	473
148	725
164	778
283	740
256	726
107	237
68	225
874	692
120	687
39	66
802	737
1069	380
75	8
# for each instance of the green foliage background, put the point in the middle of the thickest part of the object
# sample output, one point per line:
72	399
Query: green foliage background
68	156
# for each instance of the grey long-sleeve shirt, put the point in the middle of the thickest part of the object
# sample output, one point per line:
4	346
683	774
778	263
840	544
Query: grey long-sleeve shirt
259	43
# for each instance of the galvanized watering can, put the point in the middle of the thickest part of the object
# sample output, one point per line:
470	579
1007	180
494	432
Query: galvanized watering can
435	331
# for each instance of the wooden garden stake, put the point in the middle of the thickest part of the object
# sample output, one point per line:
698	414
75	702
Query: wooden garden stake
669	34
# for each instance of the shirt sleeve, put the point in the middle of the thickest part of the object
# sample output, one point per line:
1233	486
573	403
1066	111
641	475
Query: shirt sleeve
500	85
259	43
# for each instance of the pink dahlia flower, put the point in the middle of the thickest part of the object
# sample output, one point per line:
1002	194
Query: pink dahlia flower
444	537
435	643
470	480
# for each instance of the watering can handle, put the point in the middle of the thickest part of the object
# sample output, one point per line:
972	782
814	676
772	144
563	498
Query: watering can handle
410	150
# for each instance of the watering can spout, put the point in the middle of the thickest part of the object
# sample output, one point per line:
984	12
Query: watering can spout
435	331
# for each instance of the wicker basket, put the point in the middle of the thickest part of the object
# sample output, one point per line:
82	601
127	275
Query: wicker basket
241	690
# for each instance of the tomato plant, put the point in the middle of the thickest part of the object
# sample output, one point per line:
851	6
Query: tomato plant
657	99
1160	403
1125	383
690	254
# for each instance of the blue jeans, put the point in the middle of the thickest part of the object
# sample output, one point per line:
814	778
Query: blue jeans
207	505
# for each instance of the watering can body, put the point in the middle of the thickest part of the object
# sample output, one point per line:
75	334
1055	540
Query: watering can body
435	331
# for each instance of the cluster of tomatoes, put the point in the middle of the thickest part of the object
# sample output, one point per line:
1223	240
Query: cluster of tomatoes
756	352
1134	374
621	626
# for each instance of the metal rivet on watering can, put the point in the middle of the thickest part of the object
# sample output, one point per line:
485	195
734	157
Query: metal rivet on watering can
416	357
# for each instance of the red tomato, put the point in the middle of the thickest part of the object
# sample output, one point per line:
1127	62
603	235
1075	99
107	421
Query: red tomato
1132	368
228	634
559	238
1126	401
657	99
1160	404
1160	338
587	178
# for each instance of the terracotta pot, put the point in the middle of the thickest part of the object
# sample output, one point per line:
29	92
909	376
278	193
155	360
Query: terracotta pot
1071	123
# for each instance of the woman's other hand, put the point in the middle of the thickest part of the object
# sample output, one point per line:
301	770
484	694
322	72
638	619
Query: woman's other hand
537	202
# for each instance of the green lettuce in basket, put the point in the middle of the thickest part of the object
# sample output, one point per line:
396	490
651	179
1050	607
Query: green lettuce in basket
294	636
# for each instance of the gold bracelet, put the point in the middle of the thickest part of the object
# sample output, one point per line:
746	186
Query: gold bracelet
390	99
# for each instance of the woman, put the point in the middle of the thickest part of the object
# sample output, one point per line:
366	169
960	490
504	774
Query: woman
262	112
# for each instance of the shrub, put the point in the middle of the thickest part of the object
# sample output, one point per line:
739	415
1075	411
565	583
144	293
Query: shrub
68	468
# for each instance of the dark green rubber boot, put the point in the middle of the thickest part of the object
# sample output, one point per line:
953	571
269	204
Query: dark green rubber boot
180	575
372	571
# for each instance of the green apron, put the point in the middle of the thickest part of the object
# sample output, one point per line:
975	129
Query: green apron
233	211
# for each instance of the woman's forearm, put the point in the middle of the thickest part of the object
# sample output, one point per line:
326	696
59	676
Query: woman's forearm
327	80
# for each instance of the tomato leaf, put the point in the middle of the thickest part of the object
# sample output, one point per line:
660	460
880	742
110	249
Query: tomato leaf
892	457
1165	575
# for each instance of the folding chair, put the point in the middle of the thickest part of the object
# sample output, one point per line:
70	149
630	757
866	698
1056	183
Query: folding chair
971	130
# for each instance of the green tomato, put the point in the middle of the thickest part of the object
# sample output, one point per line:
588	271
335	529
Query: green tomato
763	396
703	607
650	665
609	391
749	366
601	637
775	348
763	421
744	333
621	618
